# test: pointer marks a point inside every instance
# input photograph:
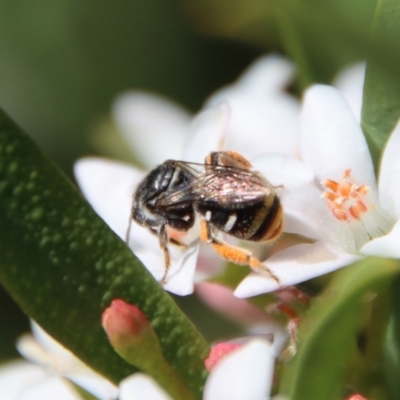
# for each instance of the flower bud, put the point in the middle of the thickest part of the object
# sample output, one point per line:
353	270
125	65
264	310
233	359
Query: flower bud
135	340
129	332
356	397
218	352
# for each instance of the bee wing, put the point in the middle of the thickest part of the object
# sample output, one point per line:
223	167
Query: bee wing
179	196
230	186
224	185
182	193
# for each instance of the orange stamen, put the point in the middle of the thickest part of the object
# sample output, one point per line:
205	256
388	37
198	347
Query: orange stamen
340	214
345	198
357	209
330	184
345	188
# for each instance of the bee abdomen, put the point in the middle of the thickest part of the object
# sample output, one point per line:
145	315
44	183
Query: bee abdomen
268	227
258	222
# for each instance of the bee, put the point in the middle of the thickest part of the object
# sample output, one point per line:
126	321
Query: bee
225	192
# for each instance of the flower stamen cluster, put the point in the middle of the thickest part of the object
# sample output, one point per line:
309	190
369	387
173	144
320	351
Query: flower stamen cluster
345	199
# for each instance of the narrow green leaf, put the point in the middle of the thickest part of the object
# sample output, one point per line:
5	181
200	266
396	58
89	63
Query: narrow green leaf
392	345
340	339
64	266
381	97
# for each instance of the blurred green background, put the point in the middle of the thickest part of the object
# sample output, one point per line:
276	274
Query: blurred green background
63	62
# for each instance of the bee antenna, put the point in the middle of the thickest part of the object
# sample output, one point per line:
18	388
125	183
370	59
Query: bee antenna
128	231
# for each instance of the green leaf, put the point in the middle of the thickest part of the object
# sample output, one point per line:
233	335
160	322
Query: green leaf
392	345
320	36
64	266
381	97
341	337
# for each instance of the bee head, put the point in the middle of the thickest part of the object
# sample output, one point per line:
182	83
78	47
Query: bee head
155	183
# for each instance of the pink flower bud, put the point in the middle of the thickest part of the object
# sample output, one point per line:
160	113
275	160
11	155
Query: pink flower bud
134	339
124	322
356	397
218	352
130	332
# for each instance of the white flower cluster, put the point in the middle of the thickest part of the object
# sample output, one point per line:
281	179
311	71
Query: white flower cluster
316	153
52	371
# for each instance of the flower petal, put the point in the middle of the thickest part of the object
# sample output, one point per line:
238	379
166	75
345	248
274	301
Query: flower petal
331	139
94	384
385	246
263	125
350	83
264	117
294	265
304	212
141	387
108	186
40	344
179	279
17	376
42	349
207	133
155	127
278	334
46	388
389	188
245	373
267	74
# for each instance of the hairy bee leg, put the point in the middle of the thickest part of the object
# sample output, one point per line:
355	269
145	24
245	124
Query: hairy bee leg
163	241
298	294
234	254
154	232
228	158
292	325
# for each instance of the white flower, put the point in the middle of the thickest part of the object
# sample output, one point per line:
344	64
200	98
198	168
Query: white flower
245	373
22	380
255	107
154	127
50	369
332	198
350	83
264	118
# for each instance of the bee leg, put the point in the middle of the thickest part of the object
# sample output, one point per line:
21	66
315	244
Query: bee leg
206	234
183	246
163	241
292	325
227	158
234	254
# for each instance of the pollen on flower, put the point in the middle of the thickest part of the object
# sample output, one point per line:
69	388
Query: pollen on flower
351	204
